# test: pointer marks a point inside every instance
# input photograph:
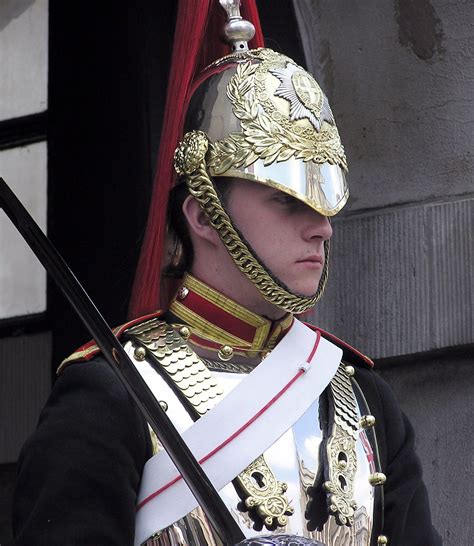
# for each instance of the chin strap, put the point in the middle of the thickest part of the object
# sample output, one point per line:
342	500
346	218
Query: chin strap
190	162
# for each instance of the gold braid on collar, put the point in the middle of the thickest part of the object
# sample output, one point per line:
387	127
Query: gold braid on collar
218	323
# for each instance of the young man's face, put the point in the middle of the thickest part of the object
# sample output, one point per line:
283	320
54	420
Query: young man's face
287	235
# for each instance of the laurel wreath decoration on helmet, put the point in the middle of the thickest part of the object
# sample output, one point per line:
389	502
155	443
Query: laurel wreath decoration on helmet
202	189
267	134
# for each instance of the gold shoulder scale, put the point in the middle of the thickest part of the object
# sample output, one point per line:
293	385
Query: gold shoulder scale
341	450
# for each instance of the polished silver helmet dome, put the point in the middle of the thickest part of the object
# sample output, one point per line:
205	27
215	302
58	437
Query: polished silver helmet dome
267	120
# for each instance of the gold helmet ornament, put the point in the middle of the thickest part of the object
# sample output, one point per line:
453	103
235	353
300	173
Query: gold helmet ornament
257	115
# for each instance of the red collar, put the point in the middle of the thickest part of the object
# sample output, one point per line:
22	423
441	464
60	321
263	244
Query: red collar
216	320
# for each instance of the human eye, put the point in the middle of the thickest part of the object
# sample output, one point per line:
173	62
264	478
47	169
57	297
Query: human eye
286	200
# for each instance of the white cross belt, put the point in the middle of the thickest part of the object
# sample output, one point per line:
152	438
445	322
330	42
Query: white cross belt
242	426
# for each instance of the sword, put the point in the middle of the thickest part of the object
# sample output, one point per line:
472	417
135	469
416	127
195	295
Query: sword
196	479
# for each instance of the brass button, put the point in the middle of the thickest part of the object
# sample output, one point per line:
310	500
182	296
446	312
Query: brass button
382	540
182	293
225	353
185	332
378	478
140	354
350	371
164	405
327	486
367	421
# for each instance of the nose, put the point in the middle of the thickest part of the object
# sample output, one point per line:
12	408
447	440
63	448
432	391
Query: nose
317	227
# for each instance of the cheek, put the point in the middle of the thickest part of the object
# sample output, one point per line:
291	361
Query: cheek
274	250
265	234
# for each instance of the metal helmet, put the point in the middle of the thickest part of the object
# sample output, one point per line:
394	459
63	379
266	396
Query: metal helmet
257	115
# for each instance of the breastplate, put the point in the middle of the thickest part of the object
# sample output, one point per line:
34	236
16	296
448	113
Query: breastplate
293	472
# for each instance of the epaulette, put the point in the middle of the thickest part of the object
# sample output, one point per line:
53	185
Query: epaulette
90	349
349	354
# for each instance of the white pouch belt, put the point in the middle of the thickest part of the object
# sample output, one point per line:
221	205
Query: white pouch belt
242	426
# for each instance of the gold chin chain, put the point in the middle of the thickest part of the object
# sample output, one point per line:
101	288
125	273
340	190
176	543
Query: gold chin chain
190	161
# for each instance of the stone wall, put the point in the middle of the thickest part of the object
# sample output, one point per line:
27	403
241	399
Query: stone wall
399	77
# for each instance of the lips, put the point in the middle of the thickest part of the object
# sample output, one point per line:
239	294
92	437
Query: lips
316	258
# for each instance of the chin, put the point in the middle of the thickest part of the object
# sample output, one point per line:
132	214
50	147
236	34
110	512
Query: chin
302	281
307	290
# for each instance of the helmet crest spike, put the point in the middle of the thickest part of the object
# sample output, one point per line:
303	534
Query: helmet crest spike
237	31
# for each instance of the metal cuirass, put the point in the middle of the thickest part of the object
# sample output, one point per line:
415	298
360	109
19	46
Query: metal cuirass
315	481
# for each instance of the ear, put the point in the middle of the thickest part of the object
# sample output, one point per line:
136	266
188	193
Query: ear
198	222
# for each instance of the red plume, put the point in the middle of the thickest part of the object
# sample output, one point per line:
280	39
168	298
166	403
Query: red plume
199	24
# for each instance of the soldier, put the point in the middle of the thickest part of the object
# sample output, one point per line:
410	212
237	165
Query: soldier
292	425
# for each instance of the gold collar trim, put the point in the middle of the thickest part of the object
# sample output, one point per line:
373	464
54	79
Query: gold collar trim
216	320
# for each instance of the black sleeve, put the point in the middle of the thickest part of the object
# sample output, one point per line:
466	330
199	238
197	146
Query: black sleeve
407	517
79	473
